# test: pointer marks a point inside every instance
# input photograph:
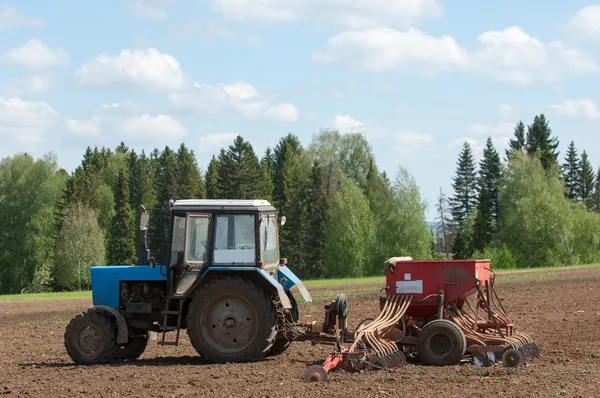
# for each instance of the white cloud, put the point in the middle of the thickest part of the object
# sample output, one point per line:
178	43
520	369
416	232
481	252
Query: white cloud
500	134
507	110
410	142
348	14
146	68
25	122
121	121
239	96
213	143
151	9
383	49
346	124
509	55
586	22
10	18
578	108
35	55
31	85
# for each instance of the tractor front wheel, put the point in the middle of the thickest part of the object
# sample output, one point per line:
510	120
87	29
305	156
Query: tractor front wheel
231	320
441	342
91	337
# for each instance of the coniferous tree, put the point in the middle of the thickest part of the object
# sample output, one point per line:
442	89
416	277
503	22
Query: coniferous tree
316	221
464	199
239	175
211	178
586	181
190	184
166	189
488	211
122	238
539	141
571	171
141	190
596	195
464	202
518	143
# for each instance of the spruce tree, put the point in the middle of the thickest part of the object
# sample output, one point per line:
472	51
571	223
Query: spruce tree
540	142
488	211
518	143
239	175
190	184
141	190
586	181
464	200
122	249
267	169
596	195
211	178
316	205
166	189
571	171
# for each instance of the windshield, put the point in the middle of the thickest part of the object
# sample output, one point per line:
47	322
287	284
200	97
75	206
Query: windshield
268	240
234	239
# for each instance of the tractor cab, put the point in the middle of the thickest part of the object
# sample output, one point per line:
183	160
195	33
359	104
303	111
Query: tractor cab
220	234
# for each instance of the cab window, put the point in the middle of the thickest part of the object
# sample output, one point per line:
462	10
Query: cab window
234	239
268	240
178	242
197	239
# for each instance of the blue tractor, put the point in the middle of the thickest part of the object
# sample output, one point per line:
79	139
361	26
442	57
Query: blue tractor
223	281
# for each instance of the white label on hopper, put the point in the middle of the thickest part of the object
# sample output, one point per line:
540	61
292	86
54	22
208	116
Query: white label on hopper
414	287
406	277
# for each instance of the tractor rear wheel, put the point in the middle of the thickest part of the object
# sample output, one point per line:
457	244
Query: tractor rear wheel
282	342
134	348
91	338
441	342
231	320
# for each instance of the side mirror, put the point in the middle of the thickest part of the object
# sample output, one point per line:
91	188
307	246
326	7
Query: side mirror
144	221
283	220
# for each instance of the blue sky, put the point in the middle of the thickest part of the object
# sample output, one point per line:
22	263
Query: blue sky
418	77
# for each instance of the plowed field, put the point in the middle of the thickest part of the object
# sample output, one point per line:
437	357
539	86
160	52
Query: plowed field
559	309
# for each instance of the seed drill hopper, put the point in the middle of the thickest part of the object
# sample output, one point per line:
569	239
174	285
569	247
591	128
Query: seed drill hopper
433	312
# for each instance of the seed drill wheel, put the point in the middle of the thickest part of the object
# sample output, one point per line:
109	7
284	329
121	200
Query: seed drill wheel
282	342
231	320
134	348
441	343
314	374
90	338
513	358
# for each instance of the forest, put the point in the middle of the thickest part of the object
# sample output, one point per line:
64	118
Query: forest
527	207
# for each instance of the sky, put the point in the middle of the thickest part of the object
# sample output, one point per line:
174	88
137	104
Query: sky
417	77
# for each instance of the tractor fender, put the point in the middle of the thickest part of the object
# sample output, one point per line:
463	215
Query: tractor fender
122	329
257	275
288	279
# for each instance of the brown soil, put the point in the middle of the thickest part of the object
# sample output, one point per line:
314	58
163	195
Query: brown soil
558	309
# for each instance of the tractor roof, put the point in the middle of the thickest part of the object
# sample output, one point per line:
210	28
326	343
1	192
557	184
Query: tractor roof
222	204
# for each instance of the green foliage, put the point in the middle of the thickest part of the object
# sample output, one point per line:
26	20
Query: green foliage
316	221
516	145
212	176
541	142
572	173
536	222
464	200
29	190
239	175
586	181
349	233
595	200
500	257
121	249
189	181
585	242
80	245
446	229
488	208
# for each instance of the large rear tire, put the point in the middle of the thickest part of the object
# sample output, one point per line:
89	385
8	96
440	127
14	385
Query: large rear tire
441	342
231	320
282	342
91	338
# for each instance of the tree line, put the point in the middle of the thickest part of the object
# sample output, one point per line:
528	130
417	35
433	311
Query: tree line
528	209
345	217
